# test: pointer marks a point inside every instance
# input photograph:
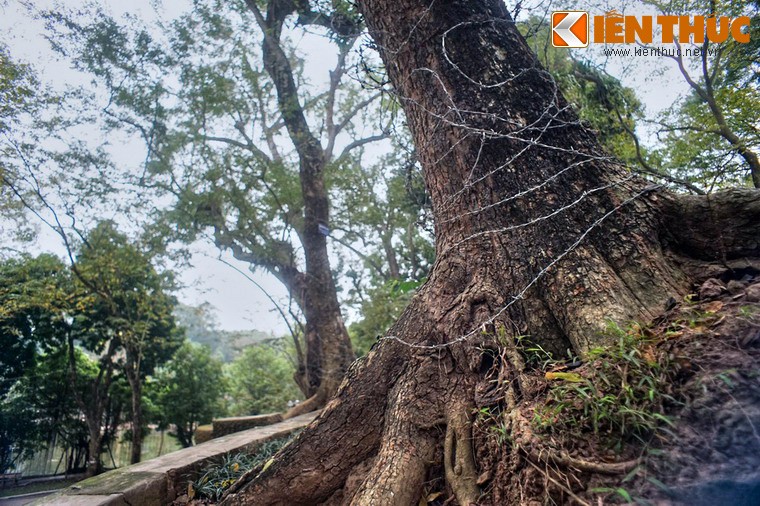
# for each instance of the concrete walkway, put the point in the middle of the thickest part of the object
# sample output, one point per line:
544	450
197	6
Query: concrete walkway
159	481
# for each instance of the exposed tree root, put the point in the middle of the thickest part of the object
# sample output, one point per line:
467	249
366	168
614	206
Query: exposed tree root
458	457
563	459
407	449
720	226
564	488
388	415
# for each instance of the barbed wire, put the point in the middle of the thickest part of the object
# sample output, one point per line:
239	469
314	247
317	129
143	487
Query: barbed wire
520	295
484	126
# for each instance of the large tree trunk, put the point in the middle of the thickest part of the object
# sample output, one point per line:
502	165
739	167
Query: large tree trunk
539	235
94	447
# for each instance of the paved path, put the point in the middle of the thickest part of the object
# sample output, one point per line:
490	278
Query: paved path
21	500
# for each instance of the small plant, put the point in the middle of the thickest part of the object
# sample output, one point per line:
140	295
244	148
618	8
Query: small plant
619	492
218	477
495	424
534	354
621	392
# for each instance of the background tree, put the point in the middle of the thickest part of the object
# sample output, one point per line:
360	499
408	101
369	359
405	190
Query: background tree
36	403
260	381
384	215
190	390
19	438
111	302
131	310
31	292
711	136
244	146
42	402
17	97
42	306
540	236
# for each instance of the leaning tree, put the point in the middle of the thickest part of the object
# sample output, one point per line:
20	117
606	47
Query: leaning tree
539	235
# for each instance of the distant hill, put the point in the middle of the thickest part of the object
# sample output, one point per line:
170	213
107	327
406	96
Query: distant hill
202	327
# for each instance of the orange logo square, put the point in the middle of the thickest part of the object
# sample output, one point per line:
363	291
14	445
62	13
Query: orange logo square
569	28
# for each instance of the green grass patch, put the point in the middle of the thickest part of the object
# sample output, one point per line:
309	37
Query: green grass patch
219	476
620	392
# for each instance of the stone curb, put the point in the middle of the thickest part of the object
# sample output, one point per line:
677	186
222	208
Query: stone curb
159	481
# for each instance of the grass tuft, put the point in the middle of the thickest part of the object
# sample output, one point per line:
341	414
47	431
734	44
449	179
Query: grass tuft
218	477
620	393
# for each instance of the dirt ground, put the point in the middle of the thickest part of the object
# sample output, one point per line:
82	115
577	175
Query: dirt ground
705	453
712	456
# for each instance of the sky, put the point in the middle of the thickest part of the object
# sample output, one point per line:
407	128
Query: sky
240	304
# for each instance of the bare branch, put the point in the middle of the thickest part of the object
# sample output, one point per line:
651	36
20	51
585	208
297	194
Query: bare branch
335	79
361	142
361	255
357	109
278	66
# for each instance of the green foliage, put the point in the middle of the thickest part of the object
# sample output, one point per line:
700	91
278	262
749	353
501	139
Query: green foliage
495	423
18	437
621	393
694	140
46	163
535	355
218	477
260	380
381	309
189	390
620	492
111	303
32	293
600	100
40	408
17	85
390	226
197	92
692	149
127	299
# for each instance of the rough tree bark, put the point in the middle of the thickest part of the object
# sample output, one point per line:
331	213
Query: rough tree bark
539	234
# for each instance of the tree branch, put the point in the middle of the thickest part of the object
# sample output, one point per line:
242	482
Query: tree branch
361	142
335	78
356	110
361	255
278	66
